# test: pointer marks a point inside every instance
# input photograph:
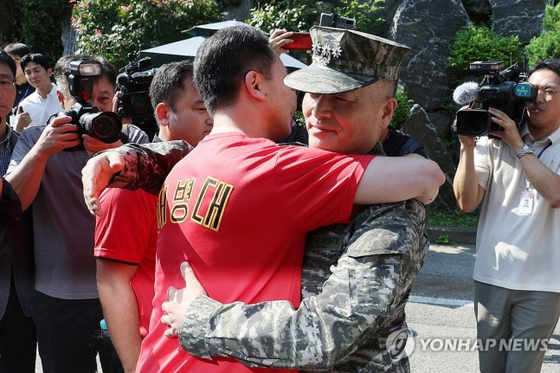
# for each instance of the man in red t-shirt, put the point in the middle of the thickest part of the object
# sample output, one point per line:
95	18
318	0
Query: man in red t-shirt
126	235
238	207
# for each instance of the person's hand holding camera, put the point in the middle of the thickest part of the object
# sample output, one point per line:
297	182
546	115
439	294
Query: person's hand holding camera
467	142
278	39
58	135
93	145
510	134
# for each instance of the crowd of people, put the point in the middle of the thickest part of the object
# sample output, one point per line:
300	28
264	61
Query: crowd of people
220	246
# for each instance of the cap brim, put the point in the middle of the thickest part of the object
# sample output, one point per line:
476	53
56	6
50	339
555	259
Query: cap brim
323	80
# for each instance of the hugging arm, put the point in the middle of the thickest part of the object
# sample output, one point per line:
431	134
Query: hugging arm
131	166
364	288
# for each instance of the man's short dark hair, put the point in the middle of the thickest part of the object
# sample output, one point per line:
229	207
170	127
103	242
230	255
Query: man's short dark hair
168	83
38	58
6	59
548	64
223	61
17	49
62	69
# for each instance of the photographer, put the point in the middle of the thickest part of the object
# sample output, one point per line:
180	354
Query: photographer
517	283
45	173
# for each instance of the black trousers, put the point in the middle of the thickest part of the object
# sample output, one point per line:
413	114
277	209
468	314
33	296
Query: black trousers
18	340
65	330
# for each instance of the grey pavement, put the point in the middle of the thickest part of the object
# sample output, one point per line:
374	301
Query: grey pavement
441	316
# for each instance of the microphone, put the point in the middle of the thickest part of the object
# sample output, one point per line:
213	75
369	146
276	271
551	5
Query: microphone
466	93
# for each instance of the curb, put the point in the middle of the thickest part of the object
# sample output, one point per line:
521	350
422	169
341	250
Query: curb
465	236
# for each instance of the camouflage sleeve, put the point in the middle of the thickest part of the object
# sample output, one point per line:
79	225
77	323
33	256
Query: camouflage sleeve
147	165
362	289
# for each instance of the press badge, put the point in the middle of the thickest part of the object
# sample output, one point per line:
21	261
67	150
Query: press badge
526	203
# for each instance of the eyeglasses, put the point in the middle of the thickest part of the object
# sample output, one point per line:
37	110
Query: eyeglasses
548	93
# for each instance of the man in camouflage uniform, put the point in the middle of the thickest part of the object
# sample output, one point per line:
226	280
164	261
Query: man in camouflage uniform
354	321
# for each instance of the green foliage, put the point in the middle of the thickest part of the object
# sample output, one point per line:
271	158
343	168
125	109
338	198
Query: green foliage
479	43
301	15
444	240
39	30
452	218
115	28
367	14
292	15
299	118
546	45
403	108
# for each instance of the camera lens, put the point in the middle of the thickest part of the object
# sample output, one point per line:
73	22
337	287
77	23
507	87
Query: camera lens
104	126
140	103
473	122
477	125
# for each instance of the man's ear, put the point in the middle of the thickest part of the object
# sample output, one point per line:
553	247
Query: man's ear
388	111
162	114
254	84
60	98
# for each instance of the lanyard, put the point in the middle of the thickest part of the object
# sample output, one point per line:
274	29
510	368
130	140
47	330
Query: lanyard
542	151
22	97
528	187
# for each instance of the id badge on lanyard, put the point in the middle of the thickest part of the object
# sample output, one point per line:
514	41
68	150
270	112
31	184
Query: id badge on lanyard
528	196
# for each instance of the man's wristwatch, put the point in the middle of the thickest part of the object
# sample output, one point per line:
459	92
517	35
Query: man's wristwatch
526	150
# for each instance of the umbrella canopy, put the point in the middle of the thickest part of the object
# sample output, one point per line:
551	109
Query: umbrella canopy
210	28
187	48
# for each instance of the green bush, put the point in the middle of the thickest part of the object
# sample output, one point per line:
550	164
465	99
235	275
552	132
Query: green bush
291	15
115	28
41	26
546	45
367	14
479	43
452	218
301	15
403	108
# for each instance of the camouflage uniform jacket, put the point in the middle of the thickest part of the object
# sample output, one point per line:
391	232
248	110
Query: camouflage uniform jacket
343	323
147	165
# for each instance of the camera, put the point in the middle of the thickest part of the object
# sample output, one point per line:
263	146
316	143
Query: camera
134	83
506	90
334	20
102	125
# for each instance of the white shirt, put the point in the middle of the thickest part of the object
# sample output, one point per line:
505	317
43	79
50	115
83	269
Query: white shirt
515	250
40	109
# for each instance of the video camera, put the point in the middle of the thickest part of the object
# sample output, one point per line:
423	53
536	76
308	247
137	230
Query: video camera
134	83
102	125
334	20
506	90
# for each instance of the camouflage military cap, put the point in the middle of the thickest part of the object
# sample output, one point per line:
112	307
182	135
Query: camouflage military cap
345	60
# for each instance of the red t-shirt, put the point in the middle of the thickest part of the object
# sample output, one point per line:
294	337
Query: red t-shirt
238	209
127	232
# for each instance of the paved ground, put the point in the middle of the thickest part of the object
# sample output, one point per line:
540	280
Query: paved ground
440	315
